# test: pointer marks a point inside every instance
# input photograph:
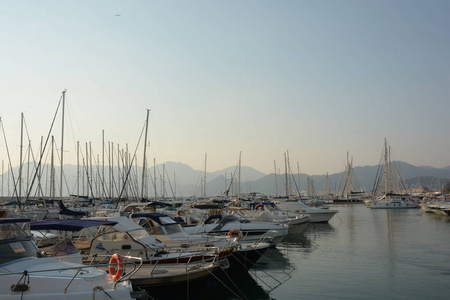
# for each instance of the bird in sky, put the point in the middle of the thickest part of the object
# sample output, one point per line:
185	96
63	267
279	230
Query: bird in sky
117	15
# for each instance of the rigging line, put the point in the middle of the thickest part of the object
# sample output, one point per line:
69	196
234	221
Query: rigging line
39	188
10	166
377	179
235	285
45	145
102	179
198	184
231	180
131	164
221	282
292	176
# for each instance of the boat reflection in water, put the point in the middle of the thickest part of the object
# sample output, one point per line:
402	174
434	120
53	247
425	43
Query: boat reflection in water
222	285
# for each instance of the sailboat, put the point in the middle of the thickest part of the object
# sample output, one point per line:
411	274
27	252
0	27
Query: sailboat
392	197
346	193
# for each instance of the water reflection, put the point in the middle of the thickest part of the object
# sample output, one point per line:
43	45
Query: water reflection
221	285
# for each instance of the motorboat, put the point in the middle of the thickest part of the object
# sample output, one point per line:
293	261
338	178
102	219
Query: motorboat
25	273
222	224
122	236
269	212
393	201
171	233
318	214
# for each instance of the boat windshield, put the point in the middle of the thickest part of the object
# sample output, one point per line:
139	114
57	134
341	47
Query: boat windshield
174	228
138	234
14	230
11	250
15	241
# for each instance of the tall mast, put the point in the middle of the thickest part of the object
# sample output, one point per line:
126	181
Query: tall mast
103	165
386	179
239	177
276	183
204	180
163	183
3	172
21	145
87	172
78	172
299	186
52	172
62	145
286	175
143	163
154	175
40	170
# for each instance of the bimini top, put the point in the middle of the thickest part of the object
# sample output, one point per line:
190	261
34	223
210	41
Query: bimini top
68	224
13	220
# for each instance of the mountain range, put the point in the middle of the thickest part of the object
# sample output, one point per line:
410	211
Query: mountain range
190	182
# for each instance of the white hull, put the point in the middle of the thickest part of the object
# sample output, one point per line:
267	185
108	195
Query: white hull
318	215
51	279
393	204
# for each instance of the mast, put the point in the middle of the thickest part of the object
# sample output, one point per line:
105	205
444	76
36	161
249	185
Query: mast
143	163
52	171
40	170
62	145
299	186
163	185
286	176
21	145
239	178
111	168
87	172
276	183
103	165
154	175
386	179
78	172
204	180
289	177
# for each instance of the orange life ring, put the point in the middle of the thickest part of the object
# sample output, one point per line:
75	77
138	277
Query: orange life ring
259	207
180	213
233	232
116	258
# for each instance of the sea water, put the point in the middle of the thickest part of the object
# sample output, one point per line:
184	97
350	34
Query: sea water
361	253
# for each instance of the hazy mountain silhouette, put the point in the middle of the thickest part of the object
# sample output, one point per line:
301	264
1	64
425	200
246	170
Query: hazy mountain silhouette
189	182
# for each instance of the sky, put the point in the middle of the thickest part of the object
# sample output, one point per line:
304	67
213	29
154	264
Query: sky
313	79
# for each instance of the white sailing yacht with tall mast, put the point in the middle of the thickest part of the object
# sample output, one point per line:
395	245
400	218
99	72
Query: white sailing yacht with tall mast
392	197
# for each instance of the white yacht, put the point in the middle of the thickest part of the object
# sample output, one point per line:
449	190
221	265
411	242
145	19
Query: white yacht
171	233
251	231
392	201
24	273
122	236
317	214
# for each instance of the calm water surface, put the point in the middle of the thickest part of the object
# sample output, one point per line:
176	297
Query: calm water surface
361	253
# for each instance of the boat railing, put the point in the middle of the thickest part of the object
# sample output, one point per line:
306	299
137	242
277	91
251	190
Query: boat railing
136	262
206	258
26	273
268	236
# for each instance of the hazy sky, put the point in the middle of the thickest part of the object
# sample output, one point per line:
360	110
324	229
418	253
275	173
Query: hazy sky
315	78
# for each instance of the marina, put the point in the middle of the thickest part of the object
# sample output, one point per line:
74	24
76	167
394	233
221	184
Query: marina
225	150
360	253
